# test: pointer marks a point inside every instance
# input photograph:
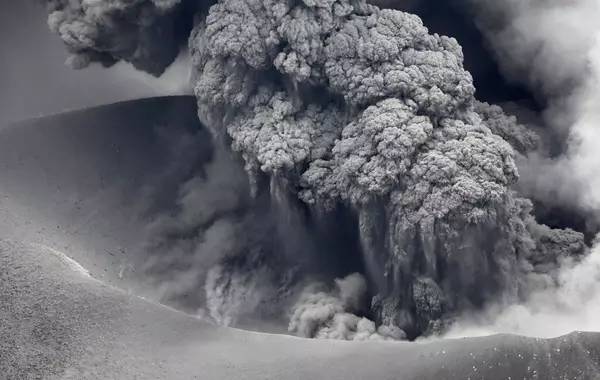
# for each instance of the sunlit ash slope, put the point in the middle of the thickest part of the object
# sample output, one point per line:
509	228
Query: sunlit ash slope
84	185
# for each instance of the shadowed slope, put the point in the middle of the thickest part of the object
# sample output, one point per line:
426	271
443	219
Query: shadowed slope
85	181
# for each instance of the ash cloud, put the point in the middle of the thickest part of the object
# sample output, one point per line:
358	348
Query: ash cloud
395	135
567	300
146	33
340	111
32	71
324	314
557	59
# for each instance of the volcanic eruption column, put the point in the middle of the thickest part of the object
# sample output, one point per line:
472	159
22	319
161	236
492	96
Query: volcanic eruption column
343	105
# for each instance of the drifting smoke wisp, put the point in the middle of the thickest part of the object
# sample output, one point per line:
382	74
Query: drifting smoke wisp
344	112
571	301
583	154
557	59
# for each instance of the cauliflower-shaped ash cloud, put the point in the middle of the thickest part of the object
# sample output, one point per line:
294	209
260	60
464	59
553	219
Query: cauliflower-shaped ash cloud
281	135
146	33
440	167
520	138
371	155
359	106
396	56
316	51
350	106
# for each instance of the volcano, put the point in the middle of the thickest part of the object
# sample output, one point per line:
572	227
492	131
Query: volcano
77	193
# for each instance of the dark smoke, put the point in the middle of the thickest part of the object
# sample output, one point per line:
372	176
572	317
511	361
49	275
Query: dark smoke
364	149
146	33
455	18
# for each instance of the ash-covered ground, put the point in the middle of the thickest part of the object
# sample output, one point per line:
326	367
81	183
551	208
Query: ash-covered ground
79	328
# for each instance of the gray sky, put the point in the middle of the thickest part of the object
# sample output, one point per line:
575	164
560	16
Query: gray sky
34	80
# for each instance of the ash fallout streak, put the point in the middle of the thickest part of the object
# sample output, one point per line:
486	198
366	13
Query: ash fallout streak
364	149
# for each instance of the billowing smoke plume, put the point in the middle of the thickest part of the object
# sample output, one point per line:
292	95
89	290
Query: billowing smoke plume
570	300
329	315
147	33
554	48
344	111
348	104
210	251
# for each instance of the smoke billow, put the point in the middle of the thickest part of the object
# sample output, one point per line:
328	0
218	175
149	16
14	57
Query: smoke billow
557	59
146	33
364	149
323	314
566	301
208	251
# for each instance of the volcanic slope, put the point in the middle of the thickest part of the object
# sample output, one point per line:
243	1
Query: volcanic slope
59	323
74	188
88	180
